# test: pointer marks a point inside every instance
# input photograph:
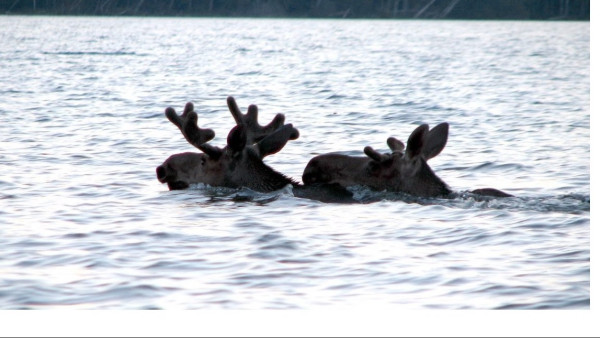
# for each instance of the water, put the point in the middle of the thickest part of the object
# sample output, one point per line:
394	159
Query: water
86	225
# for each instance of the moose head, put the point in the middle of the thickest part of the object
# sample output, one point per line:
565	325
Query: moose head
239	164
402	170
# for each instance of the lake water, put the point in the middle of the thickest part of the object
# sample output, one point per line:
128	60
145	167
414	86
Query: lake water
84	223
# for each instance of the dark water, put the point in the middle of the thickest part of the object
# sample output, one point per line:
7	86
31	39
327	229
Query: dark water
86	225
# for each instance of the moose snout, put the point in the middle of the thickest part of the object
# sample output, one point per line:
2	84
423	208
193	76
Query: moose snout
161	173
165	174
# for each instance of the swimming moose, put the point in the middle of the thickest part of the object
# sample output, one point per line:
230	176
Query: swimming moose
240	163
399	171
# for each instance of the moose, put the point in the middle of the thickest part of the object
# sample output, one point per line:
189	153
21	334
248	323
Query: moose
240	163
326	177
399	171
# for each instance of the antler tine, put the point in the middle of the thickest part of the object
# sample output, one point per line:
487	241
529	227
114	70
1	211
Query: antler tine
395	145
249	121
188	124
375	155
276	140
235	110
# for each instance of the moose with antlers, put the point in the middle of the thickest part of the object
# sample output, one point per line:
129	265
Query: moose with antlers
326	177
239	164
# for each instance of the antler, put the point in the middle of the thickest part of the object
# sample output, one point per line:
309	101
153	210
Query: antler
254	131
269	139
188	124
395	145
266	140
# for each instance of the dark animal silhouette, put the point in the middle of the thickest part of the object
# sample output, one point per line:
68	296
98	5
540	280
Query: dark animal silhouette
239	164
326	177
402	170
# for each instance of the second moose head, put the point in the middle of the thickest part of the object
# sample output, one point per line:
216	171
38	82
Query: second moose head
399	171
239	164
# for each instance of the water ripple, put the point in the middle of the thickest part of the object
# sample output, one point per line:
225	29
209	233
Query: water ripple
86	225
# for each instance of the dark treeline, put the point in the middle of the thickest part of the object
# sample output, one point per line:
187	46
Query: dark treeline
430	9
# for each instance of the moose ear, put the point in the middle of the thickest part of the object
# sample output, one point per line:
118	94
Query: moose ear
435	141
416	141
236	140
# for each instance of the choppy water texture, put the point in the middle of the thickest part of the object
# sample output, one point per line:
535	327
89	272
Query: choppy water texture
86	225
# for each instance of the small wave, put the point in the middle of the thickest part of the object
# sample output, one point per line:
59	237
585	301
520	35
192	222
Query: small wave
248	73
219	194
75	235
274	241
155	235
77	53
496	166
174	265
572	256
553	304
569	203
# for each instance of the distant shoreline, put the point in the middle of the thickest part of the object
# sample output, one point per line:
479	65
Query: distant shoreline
278	17
571	10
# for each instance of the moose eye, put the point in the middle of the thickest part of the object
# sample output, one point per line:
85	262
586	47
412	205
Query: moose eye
203	161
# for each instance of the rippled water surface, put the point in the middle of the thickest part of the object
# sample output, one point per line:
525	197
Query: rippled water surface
84	224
